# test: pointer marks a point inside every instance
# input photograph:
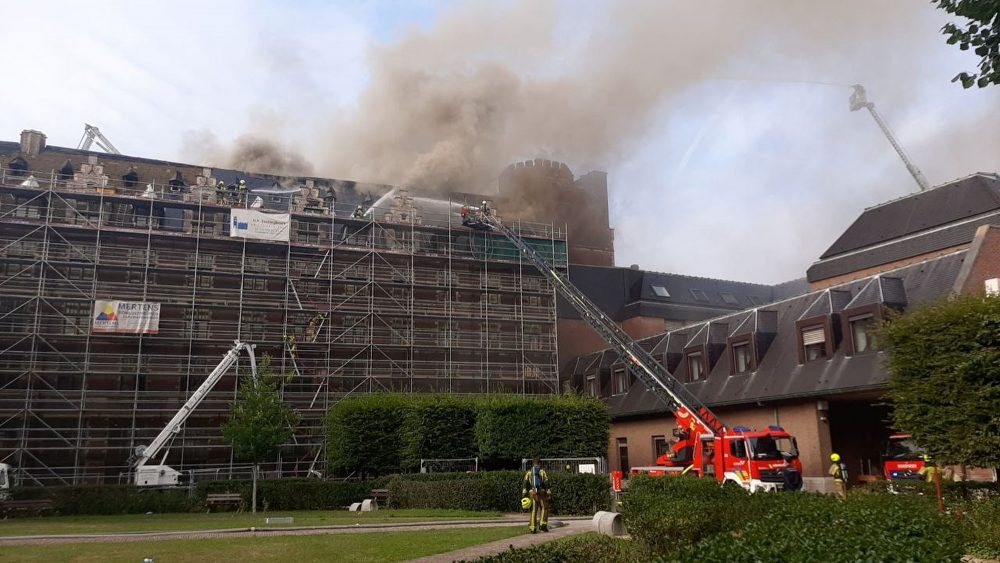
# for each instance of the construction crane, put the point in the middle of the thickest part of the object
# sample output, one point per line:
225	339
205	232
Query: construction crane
161	475
751	459
859	100
93	135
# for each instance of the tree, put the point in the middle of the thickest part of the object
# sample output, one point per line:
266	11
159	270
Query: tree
981	33
258	421
944	366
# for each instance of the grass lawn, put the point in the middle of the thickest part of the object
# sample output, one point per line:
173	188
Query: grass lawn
370	547
202	521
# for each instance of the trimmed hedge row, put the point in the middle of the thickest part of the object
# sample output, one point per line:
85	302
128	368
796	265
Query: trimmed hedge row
497	491
696	520
293	494
380	434
588	548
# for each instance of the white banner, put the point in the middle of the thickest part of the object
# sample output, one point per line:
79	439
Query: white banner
131	317
250	223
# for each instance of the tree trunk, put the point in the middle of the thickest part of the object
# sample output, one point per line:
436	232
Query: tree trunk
256	468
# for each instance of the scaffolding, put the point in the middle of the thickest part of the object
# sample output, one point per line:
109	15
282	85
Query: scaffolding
402	300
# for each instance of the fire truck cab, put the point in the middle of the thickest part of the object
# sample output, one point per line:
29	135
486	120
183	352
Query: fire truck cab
902	459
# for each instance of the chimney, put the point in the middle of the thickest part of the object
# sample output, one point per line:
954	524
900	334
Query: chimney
32	142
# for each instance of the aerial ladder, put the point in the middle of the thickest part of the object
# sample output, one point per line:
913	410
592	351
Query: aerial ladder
161	475
91	135
755	460
858	101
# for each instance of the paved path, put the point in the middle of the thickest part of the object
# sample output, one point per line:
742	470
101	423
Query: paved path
572	527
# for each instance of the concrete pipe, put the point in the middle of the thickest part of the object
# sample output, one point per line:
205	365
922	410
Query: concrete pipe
369	505
355	507
609	524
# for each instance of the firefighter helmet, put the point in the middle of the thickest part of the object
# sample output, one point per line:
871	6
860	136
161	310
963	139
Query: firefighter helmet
835	457
927	458
526	503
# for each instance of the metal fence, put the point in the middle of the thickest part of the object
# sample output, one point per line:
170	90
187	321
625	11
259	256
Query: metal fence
595	465
457	465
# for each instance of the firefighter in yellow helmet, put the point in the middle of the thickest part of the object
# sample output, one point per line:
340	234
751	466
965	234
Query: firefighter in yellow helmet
536	487
928	470
838	470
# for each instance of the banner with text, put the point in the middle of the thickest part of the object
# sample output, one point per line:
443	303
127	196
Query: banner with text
129	317
250	223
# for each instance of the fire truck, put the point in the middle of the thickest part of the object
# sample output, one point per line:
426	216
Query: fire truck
757	460
902	459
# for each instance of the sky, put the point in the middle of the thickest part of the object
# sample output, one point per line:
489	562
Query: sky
724	127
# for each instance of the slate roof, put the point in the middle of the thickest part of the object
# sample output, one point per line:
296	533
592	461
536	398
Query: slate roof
624	293
779	374
923	222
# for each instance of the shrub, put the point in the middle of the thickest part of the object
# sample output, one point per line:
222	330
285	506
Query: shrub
588	548
364	435
293	494
497	491
980	528
438	428
111	500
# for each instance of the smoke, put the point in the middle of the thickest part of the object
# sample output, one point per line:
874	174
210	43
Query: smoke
249	153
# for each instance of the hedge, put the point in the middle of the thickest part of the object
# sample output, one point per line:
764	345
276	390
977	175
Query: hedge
293	494
497	491
588	548
93	499
380	434
686	519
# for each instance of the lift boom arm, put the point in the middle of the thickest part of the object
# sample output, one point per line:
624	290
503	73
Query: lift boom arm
639	361
177	422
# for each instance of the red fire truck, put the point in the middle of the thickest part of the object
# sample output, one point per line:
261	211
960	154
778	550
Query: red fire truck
902	459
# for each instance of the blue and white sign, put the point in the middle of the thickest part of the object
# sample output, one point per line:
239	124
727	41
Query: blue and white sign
250	223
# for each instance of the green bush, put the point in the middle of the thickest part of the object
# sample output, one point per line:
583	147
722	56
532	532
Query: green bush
293	494
687	519
588	548
111	500
497	491
980	527
381	434
510	428
438	428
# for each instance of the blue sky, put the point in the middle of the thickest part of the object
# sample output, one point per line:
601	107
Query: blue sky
738	166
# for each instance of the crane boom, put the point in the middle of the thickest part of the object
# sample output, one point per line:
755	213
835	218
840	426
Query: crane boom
143	455
859	99
92	134
640	362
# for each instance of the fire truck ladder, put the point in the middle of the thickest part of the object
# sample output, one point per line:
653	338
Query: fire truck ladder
639	361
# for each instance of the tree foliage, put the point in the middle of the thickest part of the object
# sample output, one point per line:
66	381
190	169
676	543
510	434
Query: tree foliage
259	422
981	33
944	364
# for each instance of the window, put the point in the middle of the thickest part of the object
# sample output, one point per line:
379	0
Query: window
592	385
206	281
729	299
17	167
863	333
696	366
814	343
173	219
738	448
660	291
741	357
699	295
623	455
621	380
660	446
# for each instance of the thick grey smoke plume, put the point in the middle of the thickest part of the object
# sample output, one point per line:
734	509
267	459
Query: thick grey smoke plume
249	153
448	107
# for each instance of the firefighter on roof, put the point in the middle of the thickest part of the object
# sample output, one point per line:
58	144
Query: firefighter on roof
359	212
243	192
220	192
536	487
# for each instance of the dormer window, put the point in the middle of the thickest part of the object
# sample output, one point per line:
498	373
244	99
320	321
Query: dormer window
131	178
696	366
620	381
729	299
17	167
742	358
660	291
863	337
66	172
814	343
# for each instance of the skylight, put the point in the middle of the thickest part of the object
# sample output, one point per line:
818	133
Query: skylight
729	298
660	291
699	295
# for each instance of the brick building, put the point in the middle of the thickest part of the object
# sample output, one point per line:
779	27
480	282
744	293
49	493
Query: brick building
810	362
402	299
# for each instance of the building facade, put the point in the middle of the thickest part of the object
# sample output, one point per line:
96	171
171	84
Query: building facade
401	299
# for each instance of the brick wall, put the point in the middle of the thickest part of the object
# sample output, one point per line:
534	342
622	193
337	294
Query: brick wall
985	260
836	280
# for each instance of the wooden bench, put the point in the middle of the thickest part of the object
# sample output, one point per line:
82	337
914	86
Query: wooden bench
381	496
224	499
31	507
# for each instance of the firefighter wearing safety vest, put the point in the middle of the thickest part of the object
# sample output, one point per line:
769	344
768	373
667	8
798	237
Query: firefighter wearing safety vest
928	470
838	470
220	193
535	492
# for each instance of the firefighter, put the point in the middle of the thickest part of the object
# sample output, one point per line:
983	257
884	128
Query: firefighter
536	487
838	470
243	192
291	344
314	325
359	212
220	192
928	470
